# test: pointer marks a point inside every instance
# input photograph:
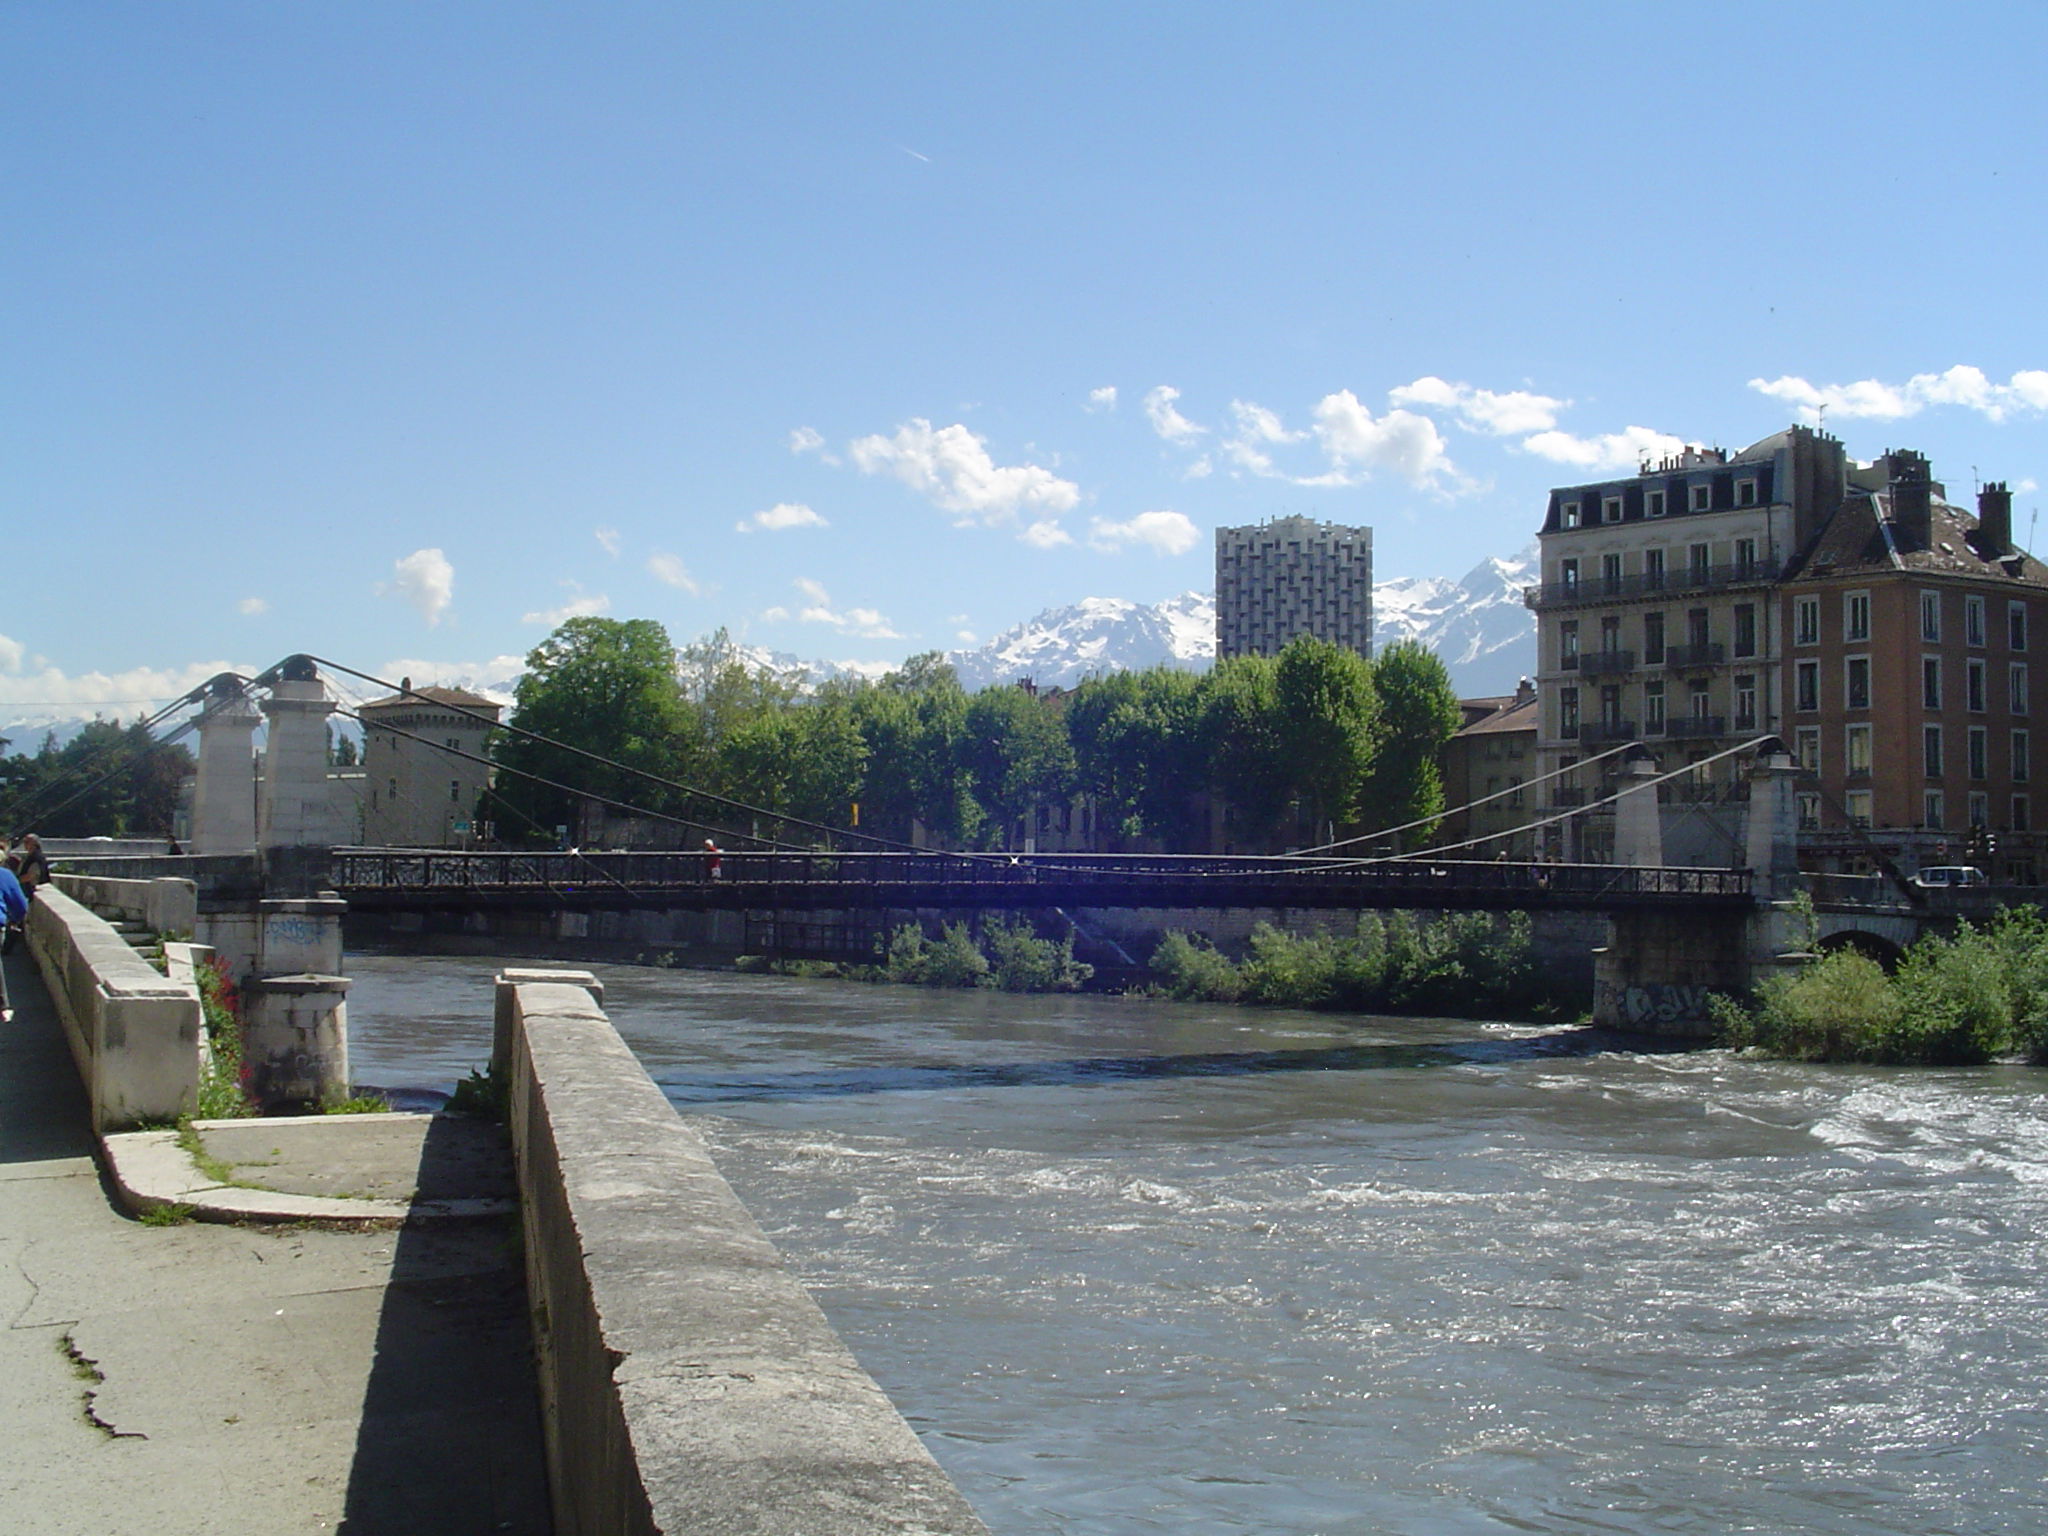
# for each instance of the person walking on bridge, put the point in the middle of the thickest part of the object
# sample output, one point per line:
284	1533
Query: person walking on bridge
14	913
714	860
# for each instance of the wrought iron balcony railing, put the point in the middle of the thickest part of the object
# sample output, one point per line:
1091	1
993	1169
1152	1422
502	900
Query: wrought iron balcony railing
1600	589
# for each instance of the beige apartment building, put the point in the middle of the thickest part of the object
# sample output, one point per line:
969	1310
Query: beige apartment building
423	768
1713	599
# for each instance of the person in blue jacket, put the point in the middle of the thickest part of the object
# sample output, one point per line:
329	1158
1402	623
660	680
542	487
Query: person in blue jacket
14	910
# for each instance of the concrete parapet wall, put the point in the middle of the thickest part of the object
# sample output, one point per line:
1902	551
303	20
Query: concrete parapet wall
135	1033
165	905
688	1382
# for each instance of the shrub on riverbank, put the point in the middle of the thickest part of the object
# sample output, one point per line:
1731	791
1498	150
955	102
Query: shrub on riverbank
1953	1001
1007	955
1464	965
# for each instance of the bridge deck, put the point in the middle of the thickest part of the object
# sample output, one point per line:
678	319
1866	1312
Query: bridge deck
402	879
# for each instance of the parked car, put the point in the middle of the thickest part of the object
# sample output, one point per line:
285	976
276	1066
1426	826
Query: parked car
1950	876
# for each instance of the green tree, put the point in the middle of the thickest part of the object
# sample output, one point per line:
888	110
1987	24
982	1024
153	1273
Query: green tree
108	780
1418	715
1328	726
914	721
1140	750
1015	751
1241	729
607	686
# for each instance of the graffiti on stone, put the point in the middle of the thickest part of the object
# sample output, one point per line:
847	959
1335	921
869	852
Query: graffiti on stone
1660	1003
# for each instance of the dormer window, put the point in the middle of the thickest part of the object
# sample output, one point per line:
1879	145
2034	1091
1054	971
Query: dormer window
1702	498
1610	509
1653	503
1568	514
1745	493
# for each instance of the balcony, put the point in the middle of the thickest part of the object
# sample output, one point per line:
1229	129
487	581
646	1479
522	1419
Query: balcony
1600	663
1697	725
1708	654
1602	589
1567	799
1607	730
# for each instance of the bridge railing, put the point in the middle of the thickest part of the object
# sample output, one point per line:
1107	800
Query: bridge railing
959	874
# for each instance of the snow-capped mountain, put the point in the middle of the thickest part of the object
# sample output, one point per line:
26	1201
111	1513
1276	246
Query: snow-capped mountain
1098	634
1477	624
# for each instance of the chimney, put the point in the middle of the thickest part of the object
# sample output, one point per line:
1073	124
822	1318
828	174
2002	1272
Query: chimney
1994	518
1525	691
1912	497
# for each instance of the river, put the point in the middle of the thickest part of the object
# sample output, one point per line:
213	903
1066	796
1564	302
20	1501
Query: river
1135	1266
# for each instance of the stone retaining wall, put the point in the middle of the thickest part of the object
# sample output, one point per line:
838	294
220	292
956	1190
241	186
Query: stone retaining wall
136	1035
688	1382
167	906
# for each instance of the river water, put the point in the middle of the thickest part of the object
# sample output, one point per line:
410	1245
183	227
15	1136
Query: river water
1132	1266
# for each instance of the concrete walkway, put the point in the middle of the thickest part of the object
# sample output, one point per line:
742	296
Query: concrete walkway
251	1379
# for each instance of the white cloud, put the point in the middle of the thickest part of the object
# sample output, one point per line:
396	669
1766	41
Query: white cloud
784	514
861	623
425	579
1167	421
584	605
1608	450
1358	443
2024	487
1046	534
1482	410
810	440
1103	399
966	637
1257	430
493	678
2026	390
609	538
1167	533
49	694
670	570
951	466
776	614
252	607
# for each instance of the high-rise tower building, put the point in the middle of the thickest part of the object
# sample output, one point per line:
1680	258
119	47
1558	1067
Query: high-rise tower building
1292	576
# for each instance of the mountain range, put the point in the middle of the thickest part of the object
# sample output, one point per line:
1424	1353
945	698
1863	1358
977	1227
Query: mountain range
1476	623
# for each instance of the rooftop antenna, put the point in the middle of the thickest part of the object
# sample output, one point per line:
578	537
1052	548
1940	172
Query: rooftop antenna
1820	417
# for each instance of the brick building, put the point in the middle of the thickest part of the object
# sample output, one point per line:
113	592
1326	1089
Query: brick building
1786	590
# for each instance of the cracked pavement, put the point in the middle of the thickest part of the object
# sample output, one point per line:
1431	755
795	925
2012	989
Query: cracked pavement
252	1379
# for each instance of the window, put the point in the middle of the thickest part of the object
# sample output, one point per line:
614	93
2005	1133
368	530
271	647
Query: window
1696	629
1702	498
1806	621
1745	493
1858	802
1930	615
1610	572
1653	503
1568	576
1610	704
1933	810
2016	626
1653	570
1610	634
1568	645
1973	620
1568	514
1975	676
1610	509
1807	738
1745	702
1806	686
1653	639
1699	700
455	789
1856	616
1930	751
1697	562
1856	756
1930	682
1653	708
2022	821
1856	682
1514	791
1809	812
2022	758
1745	557
2016	692
1980	808
1980	752
1568	712
1745	629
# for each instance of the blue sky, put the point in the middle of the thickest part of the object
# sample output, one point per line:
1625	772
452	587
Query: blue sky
395	332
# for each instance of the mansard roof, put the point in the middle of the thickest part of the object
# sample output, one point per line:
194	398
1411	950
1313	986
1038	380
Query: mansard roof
462	698
1862	540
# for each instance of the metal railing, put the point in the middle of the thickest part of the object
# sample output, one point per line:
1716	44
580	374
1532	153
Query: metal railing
1601	663
1704	654
1696	725
1596	589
